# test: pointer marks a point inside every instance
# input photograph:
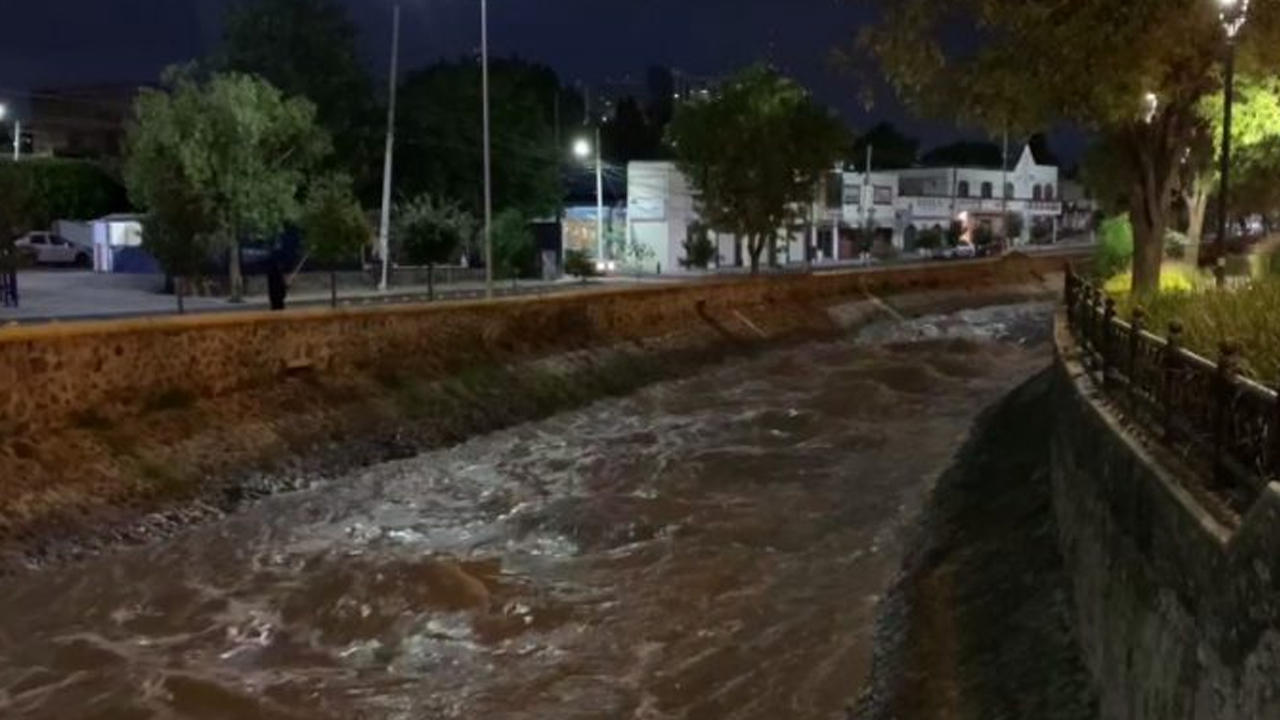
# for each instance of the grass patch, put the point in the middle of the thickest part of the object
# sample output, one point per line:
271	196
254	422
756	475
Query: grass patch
1246	316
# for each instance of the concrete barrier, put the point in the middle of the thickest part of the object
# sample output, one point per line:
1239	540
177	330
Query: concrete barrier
1178	611
140	412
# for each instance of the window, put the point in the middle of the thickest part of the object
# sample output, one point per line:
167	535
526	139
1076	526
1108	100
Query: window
986	190
1048	192
1008	190
38	240
963	189
1037	193
882	195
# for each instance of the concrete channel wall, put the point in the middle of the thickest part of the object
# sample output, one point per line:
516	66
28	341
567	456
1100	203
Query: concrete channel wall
131	418
49	374
1178	613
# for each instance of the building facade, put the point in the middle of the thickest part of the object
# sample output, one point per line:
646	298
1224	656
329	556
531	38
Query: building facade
903	203
892	206
89	121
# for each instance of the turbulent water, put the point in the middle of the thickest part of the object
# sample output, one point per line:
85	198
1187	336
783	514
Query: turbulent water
709	548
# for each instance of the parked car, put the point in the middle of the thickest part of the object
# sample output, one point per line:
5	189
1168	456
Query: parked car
962	251
49	249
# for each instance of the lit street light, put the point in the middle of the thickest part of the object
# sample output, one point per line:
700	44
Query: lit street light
17	132
1233	15
582	149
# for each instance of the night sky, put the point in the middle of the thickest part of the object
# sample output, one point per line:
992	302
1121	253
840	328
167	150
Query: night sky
58	42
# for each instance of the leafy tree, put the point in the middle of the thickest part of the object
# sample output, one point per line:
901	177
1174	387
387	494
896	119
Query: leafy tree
334	226
308	48
630	135
890	148
241	147
440	147
1041	151
178	229
1115	251
1133	72
514	249
431	232
699	249
964	154
638	254
1255	139
1013	226
37	192
754	152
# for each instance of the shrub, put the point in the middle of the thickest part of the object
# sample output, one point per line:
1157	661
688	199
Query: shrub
1041	234
1013	225
1175	245
983	236
1115	250
1246	315
930	238
699	249
1174	278
579	265
515	251
35	193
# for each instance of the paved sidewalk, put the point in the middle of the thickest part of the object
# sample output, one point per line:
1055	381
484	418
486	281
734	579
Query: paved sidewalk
52	295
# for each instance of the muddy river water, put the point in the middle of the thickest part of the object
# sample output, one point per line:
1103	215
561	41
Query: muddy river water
709	548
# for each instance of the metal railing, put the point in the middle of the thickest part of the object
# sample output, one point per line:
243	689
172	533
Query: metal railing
1217	419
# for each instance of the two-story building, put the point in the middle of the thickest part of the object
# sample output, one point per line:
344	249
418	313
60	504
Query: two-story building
902	203
894	205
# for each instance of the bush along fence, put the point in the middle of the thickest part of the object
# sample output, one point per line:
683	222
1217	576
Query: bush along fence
1221	422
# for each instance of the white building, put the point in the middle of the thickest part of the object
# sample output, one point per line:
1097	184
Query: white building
897	204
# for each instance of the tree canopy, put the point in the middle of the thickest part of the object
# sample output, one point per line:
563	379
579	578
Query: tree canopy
1133	72
631	135
964	154
432	232
753	152
891	149
236	144
439	148
308	48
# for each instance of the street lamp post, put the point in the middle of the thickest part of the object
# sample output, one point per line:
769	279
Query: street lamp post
17	132
1234	13
488	158
582	149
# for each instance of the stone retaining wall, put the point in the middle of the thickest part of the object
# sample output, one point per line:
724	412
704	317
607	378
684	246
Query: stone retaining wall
127	419
50	374
1178	615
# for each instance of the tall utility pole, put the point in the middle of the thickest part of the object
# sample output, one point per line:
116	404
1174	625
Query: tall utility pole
488	158
600	199
384	227
1234	14
1004	187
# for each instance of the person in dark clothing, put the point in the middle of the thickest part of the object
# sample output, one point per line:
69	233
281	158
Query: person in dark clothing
277	288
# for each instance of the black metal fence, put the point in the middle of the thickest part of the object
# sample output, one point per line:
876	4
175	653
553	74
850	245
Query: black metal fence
1216	418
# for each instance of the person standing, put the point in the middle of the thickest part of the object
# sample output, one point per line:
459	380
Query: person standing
277	286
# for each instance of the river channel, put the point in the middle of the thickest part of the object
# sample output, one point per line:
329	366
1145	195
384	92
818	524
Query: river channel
713	547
